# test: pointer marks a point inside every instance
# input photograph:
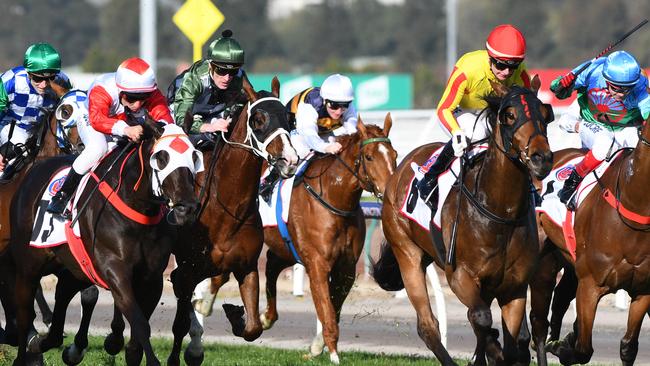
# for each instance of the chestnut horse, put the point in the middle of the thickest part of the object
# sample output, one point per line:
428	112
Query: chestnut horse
611	228
228	237
57	135
129	247
492	215
327	227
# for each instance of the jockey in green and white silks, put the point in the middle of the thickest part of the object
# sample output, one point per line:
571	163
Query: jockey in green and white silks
26	94
612	102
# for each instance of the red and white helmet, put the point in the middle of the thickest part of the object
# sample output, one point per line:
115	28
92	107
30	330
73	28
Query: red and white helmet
134	75
506	42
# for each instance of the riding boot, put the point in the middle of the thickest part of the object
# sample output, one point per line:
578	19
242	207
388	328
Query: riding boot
570	186
266	187
60	200
429	182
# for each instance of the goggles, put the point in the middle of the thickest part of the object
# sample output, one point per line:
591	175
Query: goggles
135	97
504	64
618	88
337	105
40	78
221	71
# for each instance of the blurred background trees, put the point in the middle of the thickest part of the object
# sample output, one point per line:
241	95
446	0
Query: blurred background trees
328	36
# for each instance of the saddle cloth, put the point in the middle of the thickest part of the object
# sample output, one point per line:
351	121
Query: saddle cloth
421	214
281	190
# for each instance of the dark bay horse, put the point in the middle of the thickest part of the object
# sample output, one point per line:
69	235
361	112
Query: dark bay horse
57	135
493	217
327	227
228	237
128	240
611	230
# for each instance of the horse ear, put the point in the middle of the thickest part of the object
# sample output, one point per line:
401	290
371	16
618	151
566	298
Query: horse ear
248	88
499	89
361	127
187	121
153	126
275	87
535	83
388	123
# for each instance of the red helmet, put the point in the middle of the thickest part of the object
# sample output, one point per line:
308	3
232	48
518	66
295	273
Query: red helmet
134	75
506	42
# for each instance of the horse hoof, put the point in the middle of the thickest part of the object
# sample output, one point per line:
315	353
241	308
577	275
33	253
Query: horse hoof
33	359
235	315
35	343
266	322
193	360
334	358
317	345
113	344
72	356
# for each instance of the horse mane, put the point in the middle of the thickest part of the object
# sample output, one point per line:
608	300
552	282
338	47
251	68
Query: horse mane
372	131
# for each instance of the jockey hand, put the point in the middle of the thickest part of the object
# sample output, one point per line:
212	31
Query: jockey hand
2	162
564	88
133	133
568	80
216	124
459	142
333	148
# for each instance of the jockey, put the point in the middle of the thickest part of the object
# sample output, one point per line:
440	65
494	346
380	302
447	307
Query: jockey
612	102
501	62
26	97
319	114
211	89
132	89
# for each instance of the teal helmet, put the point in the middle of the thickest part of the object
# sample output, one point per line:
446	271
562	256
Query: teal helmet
621	69
42	58
226	52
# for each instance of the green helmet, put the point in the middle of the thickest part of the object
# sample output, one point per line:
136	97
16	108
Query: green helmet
42	58
226	51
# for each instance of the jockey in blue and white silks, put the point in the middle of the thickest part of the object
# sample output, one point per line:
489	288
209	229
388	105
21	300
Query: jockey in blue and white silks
612	102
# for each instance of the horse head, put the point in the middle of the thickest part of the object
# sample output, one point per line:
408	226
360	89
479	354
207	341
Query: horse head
174	163
70	111
267	128
376	160
520	121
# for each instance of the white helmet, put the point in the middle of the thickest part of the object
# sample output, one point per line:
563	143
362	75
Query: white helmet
134	75
337	88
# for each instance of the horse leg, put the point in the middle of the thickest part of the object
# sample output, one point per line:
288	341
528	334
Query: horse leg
274	266
630	341
249	289
24	299
319	272
66	288
512	314
184	284
114	341
541	292
126	301
563	294
7	293
409	258
46	313
147	295
576	347
74	354
479	316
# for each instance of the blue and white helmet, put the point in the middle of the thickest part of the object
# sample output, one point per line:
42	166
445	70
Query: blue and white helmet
621	69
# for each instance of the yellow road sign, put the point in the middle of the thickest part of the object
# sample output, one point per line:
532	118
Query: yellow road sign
198	19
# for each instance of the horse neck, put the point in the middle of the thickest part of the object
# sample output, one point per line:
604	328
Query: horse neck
133	174
635	172
237	172
49	143
339	185
505	185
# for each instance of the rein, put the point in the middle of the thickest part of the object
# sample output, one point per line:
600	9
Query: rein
358	162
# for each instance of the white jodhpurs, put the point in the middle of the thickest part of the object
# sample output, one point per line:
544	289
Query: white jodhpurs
474	129
603	141
95	146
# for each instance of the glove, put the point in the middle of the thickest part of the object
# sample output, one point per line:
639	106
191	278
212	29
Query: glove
568	80
459	142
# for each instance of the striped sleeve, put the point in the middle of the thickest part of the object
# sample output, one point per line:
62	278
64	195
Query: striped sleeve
451	99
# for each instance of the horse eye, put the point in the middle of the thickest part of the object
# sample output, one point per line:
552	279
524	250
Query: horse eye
162	159
369	157
65	111
509	115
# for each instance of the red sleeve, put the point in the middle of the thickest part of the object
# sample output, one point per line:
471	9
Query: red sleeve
157	107
99	104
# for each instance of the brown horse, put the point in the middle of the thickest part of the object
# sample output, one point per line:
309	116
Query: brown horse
491	213
327	227
610	251
127	240
57	135
229	236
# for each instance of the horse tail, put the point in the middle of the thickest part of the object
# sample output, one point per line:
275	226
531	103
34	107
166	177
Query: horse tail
386	270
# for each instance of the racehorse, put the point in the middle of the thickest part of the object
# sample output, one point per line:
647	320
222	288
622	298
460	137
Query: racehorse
228	238
611	227
125	236
56	135
487	221
327	227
